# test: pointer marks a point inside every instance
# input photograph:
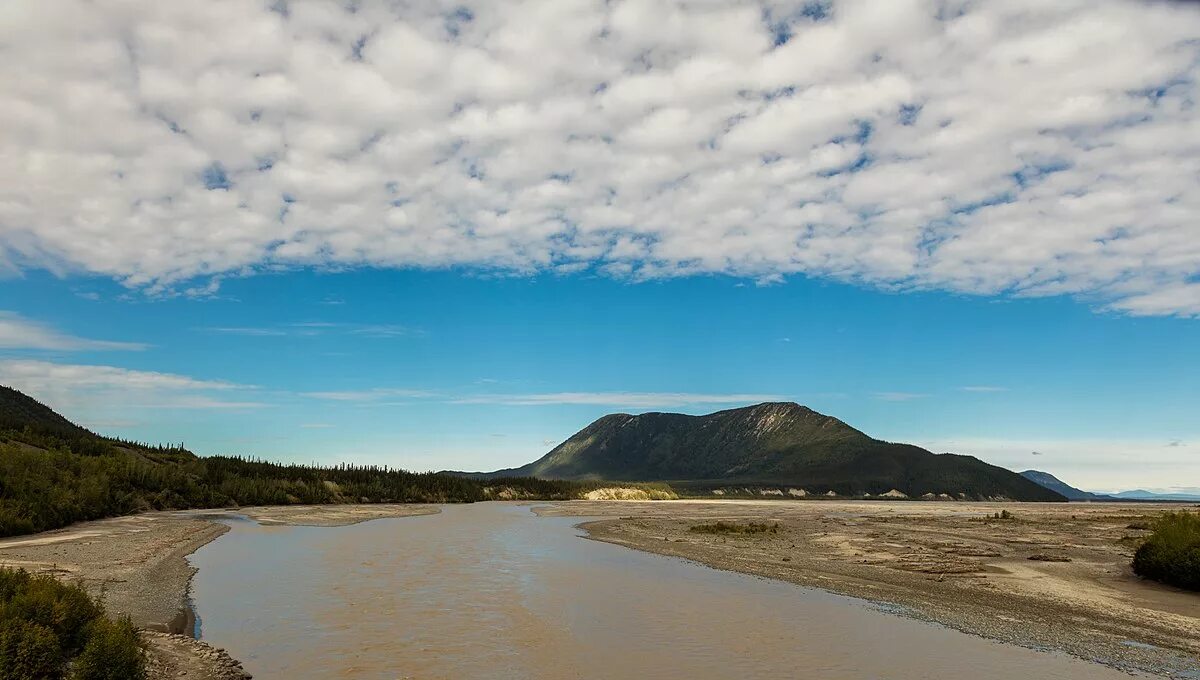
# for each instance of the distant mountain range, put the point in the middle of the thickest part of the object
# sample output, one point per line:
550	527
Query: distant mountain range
781	445
1143	495
1055	484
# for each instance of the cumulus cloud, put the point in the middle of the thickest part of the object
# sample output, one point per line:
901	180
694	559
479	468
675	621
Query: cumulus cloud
77	387
17	332
1016	148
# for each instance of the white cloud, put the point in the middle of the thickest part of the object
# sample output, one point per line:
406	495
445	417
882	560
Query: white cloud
314	328
249	331
984	388
621	399
86	388
371	395
17	332
1020	148
897	396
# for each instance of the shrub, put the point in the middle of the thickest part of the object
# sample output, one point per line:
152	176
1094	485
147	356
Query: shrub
731	528
112	652
49	629
28	651
1171	554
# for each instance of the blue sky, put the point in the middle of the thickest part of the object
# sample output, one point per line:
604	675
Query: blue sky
449	233
435	370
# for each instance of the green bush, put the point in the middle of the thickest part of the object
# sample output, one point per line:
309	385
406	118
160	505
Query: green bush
731	528
28	651
1172	553
52	630
112	652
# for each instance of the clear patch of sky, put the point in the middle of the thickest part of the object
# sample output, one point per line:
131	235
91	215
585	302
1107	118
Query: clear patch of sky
894	365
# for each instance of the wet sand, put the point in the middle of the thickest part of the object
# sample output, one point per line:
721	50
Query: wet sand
138	565
951	563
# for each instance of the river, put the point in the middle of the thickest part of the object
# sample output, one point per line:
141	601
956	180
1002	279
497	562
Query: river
491	590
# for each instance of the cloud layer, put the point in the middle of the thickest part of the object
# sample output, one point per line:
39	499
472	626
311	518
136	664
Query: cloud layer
17	332
80	387
1023	147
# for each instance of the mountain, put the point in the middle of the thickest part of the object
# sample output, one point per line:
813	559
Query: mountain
1143	495
1055	484
776	444
19	411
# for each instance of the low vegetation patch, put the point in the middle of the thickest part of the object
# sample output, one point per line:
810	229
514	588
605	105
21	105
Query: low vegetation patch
1043	557
1171	554
50	630
733	528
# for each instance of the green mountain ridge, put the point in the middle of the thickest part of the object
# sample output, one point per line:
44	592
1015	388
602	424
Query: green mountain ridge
19	411
780	444
53	473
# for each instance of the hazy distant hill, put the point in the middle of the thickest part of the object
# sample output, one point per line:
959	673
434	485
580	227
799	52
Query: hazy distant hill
1055	484
1143	495
774	444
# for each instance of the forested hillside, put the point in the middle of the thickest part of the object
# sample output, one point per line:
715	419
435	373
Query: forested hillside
53	473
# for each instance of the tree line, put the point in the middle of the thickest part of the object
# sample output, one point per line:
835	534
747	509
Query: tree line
50	478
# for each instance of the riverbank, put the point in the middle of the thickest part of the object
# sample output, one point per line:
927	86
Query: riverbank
138	564
1052	576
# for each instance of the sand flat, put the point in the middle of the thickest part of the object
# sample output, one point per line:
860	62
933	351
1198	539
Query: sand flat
948	562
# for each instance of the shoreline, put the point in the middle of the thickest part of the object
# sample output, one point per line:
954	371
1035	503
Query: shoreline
1056	578
138	564
1051	580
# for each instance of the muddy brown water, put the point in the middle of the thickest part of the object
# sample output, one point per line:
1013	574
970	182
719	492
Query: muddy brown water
491	590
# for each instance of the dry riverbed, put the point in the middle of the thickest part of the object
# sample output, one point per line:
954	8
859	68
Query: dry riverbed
138	564
1053	576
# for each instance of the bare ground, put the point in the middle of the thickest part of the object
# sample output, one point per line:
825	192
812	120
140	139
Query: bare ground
138	566
1054	576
